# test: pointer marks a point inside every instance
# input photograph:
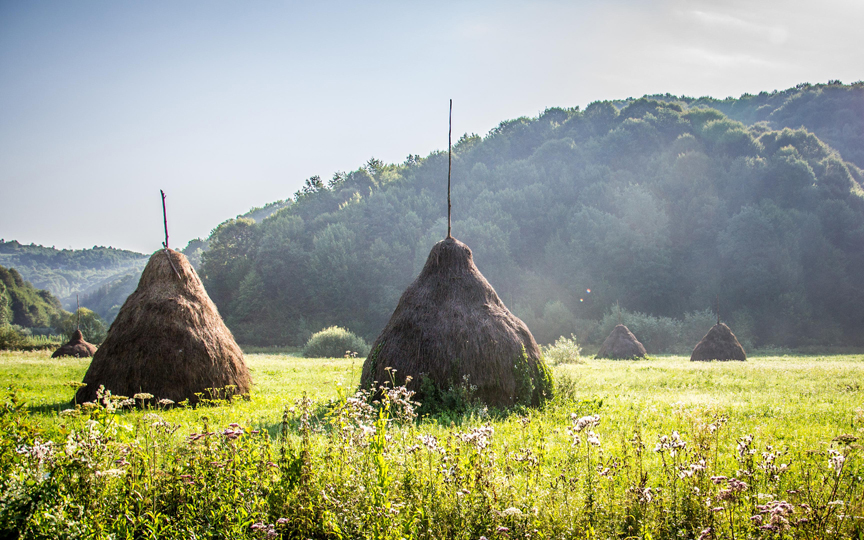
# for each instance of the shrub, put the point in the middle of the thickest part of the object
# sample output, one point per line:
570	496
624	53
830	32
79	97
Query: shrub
335	342
563	351
10	337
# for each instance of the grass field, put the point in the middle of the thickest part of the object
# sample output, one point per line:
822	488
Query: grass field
766	448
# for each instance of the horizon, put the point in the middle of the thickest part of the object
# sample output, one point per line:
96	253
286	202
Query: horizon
227	108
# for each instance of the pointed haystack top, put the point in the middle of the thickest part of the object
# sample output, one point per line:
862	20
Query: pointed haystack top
719	344
449	324
621	344
76	347
168	340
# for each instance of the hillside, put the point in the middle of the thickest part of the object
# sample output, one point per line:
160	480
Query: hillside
23	304
660	205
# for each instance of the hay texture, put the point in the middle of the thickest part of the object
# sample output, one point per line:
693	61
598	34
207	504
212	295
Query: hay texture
449	324
621	344
76	347
168	340
718	344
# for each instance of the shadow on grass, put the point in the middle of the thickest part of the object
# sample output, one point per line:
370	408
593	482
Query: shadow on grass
49	408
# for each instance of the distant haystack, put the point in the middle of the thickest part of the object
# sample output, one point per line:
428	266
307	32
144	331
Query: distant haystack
450	324
76	347
718	344
168	340
621	344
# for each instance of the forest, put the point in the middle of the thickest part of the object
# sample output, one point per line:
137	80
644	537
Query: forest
661	205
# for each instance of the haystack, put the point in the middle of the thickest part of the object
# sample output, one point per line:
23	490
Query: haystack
76	347
718	344
621	344
168	340
449	325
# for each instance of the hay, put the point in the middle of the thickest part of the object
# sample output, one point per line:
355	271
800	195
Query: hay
450	324
76	347
718	344
168	340
621	344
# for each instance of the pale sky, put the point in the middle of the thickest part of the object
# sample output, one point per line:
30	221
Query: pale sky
230	105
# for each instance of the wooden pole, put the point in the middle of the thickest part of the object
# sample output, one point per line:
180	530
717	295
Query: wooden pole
78	312
449	165
165	218
165	243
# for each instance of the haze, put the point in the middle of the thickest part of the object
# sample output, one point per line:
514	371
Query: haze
230	105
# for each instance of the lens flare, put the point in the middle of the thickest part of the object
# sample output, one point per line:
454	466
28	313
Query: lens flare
588	291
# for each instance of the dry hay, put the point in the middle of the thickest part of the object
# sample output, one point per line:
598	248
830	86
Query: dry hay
718	344
168	340
76	347
621	344
449	325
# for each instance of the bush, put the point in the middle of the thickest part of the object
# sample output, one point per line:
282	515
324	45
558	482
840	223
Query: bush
335	342
563	351
10	337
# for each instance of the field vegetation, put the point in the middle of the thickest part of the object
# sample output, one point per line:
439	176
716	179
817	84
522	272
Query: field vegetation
658	448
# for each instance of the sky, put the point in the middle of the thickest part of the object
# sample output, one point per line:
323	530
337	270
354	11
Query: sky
230	105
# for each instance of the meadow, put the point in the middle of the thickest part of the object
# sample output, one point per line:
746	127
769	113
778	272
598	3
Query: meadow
657	448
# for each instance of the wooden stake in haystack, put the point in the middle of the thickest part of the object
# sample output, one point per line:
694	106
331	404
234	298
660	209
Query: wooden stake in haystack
168	339
450	327
77	346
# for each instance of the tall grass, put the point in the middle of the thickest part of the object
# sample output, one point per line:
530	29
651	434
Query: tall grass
662	448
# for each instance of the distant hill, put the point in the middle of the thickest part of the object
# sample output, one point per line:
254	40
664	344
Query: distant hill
23	304
67	272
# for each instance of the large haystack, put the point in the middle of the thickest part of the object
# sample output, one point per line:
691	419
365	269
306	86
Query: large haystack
718	344
449	324
76	347
621	344
168	340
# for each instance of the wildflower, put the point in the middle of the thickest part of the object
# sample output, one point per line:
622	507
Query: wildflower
744	446
670	443
479	437
165	402
707	534
142	396
585	422
777	514
512	511
281	521
67	413
836	460
431	443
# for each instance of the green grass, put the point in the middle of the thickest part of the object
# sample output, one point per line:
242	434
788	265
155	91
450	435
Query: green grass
333	475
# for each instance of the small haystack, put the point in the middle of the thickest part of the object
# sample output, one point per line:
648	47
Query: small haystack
76	347
168	340
621	344
450	324
718	344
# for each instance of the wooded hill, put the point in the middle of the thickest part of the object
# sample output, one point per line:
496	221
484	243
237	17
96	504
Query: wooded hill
660	203
67	272
24	305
